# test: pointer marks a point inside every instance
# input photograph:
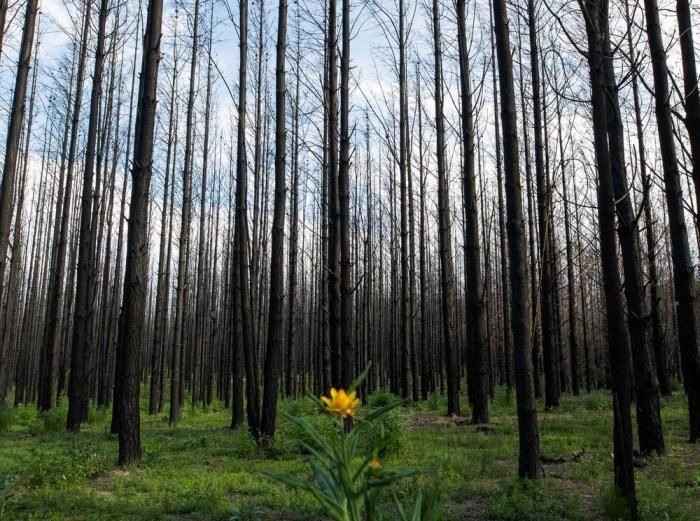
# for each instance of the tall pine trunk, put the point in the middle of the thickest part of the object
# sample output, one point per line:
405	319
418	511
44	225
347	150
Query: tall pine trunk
182	260
596	18
444	230
683	276
552	388
81	345
478	368
275	331
529	439
650	431
14	131
347	350
133	314
242	301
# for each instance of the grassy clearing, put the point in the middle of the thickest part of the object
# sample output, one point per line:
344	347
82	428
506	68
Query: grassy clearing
201	470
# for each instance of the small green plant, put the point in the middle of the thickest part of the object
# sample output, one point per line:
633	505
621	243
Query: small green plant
349	480
612	504
98	415
504	398
57	469
5	418
289	438
527	500
53	420
297	407
245	511
6	493
382	399
596	402
676	385
385	434
434	401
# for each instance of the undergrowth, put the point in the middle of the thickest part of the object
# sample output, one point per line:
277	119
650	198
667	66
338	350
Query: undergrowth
203	470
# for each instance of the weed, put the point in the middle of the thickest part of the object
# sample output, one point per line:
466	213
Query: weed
525	500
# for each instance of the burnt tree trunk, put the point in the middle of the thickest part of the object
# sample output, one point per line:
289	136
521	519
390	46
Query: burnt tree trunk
478	369
14	131
81	345
133	315
444	230
596	19
275	331
529	439
683	276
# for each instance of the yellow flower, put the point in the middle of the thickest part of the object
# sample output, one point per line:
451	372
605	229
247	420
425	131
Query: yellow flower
341	404
375	463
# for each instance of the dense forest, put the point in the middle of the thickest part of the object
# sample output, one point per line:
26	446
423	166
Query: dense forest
487	204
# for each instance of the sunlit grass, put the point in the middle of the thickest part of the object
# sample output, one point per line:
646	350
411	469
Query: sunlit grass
202	470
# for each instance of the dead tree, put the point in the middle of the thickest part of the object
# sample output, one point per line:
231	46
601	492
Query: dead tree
683	276
162	283
346	288
595	15
659	348
529	439
552	384
478	368
275	333
184	244
14	131
133	315
242	300
444	231
52	322
84	290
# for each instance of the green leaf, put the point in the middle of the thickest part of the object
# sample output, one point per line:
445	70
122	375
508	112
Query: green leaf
325	481
362	467
288	479
417	508
399	507
309	429
358	381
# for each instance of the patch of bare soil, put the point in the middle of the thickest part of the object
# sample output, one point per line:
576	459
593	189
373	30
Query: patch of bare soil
431	420
470	509
116	473
589	497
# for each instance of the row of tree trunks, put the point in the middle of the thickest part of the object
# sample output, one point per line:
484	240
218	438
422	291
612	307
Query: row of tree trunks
85	281
14	130
683	278
552	382
351	296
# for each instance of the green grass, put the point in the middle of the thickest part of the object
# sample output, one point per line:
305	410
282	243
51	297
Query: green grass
202	470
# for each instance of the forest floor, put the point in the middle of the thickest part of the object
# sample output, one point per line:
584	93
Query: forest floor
202	470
